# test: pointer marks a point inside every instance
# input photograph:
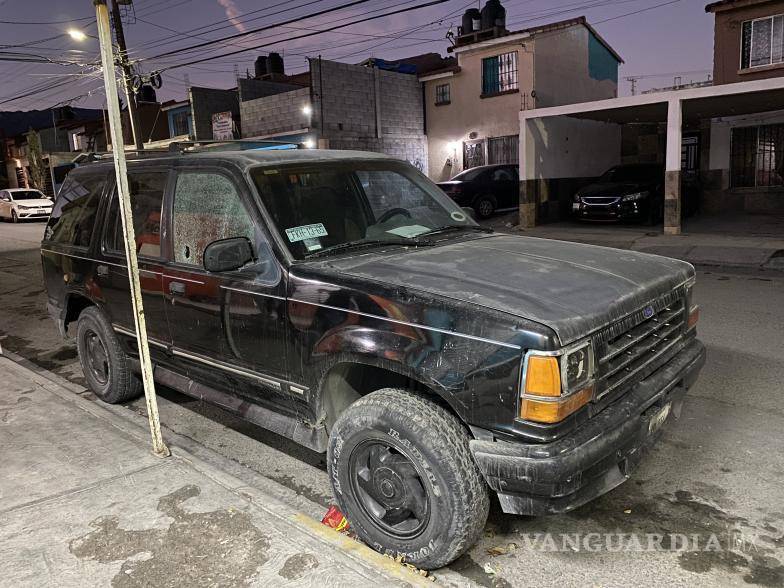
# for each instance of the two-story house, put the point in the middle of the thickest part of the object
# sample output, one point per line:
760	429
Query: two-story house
747	150
472	106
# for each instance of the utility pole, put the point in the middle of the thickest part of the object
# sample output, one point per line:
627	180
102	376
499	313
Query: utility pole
121	171
133	114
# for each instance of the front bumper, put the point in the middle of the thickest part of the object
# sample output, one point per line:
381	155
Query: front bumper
614	211
550	478
33	213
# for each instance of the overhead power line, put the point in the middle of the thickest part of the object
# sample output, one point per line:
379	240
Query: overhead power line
310	34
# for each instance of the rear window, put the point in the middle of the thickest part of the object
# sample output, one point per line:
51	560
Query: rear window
147	189
74	212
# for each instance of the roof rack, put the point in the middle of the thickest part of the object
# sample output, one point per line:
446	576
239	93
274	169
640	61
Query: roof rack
189	147
225	145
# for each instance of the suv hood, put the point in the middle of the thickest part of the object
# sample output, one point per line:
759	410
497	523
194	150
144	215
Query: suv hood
574	289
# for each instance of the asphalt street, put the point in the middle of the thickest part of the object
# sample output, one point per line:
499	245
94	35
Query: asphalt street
705	508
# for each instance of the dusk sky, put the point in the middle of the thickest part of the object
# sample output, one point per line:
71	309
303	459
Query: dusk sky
653	36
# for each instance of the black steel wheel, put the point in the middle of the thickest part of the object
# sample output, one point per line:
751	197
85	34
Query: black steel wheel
402	473
104	363
389	487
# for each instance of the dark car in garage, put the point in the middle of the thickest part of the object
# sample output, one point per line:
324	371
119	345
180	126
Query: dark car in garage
633	192
486	188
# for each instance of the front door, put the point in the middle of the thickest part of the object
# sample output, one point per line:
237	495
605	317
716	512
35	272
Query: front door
228	329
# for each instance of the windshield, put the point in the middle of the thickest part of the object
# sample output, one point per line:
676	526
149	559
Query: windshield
329	205
27	195
469	174
632	173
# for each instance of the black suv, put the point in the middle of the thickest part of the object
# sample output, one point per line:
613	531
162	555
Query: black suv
340	299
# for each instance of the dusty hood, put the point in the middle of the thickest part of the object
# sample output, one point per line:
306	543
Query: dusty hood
573	289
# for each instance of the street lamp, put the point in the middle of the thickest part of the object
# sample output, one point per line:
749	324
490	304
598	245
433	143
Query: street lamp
77	35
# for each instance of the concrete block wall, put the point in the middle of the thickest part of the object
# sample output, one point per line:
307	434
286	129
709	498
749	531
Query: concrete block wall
357	98
277	113
208	101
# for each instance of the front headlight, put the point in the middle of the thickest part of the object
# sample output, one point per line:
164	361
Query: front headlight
634	197
557	384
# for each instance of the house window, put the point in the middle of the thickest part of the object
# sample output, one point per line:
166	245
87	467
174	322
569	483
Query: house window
442	94
503	149
180	124
473	154
762	42
499	73
757	156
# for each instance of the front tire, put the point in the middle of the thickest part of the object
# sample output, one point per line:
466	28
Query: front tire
104	363
402	473
14	217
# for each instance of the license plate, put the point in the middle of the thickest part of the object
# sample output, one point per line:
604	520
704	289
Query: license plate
40	211
658	419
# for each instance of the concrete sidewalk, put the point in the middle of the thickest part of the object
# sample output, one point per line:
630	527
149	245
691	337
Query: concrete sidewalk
709	243
84	502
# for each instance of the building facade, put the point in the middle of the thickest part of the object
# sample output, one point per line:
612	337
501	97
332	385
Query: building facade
472	105
745	168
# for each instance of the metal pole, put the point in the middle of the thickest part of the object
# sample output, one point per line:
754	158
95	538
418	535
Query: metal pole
133	114
115	125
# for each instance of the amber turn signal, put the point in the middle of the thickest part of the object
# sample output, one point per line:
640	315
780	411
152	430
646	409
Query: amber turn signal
543	376
694	316
554	411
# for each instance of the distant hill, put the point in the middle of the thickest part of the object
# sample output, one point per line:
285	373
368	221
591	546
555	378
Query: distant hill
18	121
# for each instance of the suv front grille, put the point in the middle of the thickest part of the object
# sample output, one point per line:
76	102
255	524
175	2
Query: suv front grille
628	347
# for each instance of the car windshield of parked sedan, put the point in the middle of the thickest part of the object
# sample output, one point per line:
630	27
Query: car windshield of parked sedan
328	207
632	173
27	195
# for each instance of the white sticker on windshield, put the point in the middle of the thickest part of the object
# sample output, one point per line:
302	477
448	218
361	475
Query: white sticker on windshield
312	244
296	234
409	231
458	216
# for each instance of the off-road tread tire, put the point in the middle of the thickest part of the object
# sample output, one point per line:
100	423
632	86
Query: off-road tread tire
446	436
123	385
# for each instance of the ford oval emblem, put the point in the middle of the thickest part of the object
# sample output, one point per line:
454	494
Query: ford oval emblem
647	312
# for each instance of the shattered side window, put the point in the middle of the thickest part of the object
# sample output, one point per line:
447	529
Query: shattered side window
207	208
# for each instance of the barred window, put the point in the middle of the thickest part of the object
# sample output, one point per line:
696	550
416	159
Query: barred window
499	73
442	94
757	156
762	42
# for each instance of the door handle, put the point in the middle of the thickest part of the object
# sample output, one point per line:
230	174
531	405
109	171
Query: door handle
176	287
102	270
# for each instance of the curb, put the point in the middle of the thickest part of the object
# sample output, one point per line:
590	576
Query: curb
256	489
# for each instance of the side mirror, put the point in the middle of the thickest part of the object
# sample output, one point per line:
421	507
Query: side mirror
6	199
226	255
470	212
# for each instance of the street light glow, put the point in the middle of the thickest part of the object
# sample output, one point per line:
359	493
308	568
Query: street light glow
77	35
307	110
310	143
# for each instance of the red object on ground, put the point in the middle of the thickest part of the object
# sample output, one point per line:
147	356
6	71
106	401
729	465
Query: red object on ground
335	519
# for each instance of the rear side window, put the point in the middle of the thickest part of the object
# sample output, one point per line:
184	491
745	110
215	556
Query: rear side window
73	215
147	189
207	208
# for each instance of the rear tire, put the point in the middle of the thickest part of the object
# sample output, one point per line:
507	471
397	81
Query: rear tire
484	206
402	473
104	363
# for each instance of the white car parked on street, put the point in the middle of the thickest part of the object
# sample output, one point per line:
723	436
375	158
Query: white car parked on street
22	203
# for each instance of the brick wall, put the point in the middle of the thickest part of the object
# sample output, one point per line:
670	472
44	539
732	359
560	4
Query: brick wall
208	101
278	113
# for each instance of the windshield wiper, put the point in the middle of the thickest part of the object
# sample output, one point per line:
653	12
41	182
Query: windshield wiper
359	244
447	228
